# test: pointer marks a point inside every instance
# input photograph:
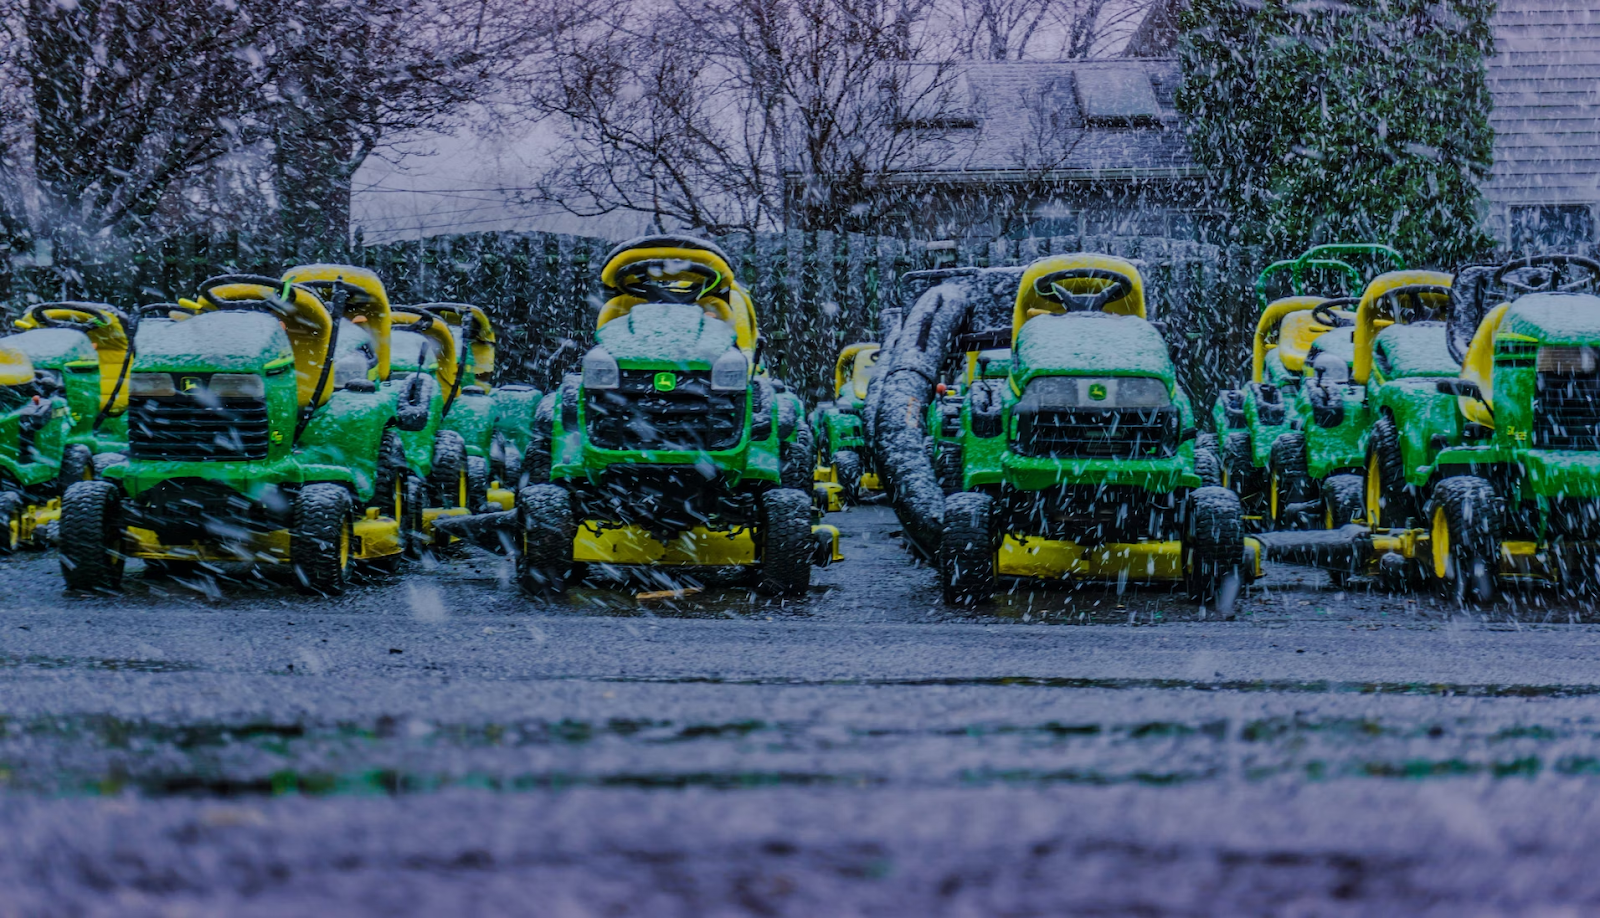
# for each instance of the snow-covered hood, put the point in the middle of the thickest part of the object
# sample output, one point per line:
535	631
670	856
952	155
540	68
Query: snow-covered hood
666	333
232	341
1091	343
1555	318
52	348
1418	349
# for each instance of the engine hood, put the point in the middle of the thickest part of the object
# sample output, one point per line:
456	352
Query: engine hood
1091	343
1555	318
52	348
667	333
229	341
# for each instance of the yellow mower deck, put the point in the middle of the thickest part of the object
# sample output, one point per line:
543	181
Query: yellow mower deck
30	525
375	537
1051	559
699	546
1519	560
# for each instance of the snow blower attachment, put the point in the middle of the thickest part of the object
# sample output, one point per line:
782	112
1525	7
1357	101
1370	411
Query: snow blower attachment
1078	461
845	467
256	433
671	446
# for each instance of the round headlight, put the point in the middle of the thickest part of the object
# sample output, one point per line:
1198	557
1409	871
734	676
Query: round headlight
731	371
600	370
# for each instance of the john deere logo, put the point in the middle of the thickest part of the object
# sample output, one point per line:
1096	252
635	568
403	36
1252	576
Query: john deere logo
189	382
1097	391
666	382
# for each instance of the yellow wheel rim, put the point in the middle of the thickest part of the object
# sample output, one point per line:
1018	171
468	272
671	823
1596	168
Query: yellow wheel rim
1272	499
1327	516
14	532
1374	492
399	497
461	488
1441	544
344	545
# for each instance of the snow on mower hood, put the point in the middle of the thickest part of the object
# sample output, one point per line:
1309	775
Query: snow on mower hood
1418	349
52	348
232	341
1091	343
657	333
1555	318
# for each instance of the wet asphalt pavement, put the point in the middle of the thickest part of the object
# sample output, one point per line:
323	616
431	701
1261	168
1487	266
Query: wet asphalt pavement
433	744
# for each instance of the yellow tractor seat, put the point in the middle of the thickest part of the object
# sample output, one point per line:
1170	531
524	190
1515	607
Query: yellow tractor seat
434	328
1298	332
1061	283
367	302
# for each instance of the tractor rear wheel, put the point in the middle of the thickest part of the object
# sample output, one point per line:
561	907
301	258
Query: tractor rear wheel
847	472
536	462
786	543
1342	503
77	464
1208	466
545	530
477	483
448	480
1390	502
969	550
414	495
91	536
1465	538
12	507
797	461
1289	486
322	541
1213	546
1239	472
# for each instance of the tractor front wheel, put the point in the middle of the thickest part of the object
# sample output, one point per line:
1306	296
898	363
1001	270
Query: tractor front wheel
1289	486
1390	502
969	550
1213	546
321	543
545	530
797	461
77	464
1465	538
12	506
947	467
477	483
91	536
786	543
448	480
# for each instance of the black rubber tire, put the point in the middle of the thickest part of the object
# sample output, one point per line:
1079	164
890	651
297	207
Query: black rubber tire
446	481
1208	466
1398	501
390	475
103	461
507	470
415	497
91	536
1287	476
536	463
847	472
321	543
12	506
477	483
948	467
545	530
784	535
797	460
77	464
1208	441
1343	500
1213	543
1472	517
969	550
1238	463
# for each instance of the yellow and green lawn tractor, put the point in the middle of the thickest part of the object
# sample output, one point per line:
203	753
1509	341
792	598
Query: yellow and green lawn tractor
845	467
258	433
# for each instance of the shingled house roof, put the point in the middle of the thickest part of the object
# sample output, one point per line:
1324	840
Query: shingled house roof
1545	80
1059	121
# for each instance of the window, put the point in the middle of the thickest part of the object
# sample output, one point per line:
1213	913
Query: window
1552	227
1120	96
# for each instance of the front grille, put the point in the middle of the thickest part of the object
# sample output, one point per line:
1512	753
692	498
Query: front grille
688	416
1566	411
181	428
1098	433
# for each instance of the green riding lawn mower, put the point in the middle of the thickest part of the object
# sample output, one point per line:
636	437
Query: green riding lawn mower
1076	454
845	468
61	410
672	446
264	427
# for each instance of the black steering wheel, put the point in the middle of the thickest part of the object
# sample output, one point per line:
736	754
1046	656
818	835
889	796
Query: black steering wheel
1324	312
37	313
664	291
1549	274
425	320
1117	286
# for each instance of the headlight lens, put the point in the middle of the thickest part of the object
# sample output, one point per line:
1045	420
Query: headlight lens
731	371
600	370
151	385
238	385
